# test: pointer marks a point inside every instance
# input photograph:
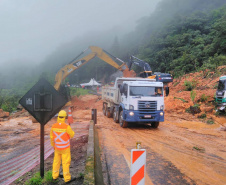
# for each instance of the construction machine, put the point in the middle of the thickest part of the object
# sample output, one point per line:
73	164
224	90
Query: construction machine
110	59
95	52
221	94
147	72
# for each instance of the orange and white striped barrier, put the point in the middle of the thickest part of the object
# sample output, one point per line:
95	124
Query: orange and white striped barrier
138	166
70	118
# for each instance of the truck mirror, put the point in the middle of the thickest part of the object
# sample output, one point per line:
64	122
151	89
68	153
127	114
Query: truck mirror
167	91
125	92
121	89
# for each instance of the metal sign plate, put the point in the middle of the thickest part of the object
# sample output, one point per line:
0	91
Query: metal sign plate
42	101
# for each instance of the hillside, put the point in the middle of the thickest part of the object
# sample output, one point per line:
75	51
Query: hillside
204	84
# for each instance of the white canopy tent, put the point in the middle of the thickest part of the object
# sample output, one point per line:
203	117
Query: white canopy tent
92	82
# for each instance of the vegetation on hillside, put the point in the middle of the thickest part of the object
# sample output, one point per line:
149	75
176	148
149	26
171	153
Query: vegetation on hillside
189	44
180	37
188	37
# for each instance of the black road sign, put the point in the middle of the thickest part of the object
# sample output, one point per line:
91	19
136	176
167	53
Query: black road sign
42	101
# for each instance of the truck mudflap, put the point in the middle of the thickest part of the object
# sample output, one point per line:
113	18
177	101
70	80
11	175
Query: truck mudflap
143	117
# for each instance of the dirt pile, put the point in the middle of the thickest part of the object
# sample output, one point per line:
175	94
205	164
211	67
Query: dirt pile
86	102
203	84
129	73
3	115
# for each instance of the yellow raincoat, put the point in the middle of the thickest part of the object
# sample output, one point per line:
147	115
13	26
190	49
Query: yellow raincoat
60	135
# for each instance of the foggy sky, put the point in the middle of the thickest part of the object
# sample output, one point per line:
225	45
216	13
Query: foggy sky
32	29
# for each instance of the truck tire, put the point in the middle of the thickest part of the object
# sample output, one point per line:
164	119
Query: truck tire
108	113
155	124
104	109
115	117
122	123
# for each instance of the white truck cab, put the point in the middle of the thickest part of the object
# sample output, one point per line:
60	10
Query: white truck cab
136	100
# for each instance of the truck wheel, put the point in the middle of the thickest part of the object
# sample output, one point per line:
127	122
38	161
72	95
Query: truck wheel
122	123
108	113
115	116
155	124
104	109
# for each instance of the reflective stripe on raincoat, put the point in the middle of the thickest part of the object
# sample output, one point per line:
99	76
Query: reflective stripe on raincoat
60	136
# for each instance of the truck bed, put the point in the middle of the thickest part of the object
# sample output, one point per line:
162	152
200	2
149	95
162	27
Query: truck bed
110	94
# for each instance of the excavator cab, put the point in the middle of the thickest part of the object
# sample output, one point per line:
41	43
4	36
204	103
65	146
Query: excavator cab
145	74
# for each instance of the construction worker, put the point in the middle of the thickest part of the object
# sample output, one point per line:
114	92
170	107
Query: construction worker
60	135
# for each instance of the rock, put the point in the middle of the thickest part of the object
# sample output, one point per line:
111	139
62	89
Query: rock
207	109
4	114
34	120
19	107
20	123
180	111
201	115
195	110
222	128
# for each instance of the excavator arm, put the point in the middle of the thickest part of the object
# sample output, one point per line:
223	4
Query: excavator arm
75	64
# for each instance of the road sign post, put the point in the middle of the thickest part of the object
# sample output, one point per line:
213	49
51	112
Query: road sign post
42	150
42	101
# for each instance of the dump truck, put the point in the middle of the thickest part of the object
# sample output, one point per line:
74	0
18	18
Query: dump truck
135	100
221	94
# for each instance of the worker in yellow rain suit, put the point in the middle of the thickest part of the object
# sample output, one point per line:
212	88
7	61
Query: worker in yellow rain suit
60	135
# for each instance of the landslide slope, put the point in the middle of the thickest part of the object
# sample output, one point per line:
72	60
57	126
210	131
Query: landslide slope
204	86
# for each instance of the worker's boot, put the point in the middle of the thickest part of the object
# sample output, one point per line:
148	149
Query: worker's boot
72	179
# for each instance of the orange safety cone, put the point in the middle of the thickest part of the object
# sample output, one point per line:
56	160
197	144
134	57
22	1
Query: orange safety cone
70	118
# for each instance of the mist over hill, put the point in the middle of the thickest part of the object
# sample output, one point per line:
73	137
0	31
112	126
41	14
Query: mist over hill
179	37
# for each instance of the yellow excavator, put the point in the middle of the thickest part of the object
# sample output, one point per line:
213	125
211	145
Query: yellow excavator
108	58
95	52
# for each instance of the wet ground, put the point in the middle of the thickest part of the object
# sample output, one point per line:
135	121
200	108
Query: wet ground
21	136
182	150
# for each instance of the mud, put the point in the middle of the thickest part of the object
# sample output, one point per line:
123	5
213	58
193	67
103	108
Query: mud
184	149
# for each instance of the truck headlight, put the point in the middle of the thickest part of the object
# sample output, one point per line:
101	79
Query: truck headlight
131	107
161	114
131	113
161	107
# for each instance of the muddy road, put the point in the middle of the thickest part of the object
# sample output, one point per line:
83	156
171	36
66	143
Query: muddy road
182	150
175	155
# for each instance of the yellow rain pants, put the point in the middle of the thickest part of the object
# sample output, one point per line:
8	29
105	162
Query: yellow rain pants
65	156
